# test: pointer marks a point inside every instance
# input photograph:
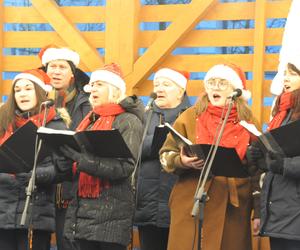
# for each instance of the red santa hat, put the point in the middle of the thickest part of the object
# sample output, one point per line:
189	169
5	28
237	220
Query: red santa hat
178	76
53	52
37	76
233	74
110	73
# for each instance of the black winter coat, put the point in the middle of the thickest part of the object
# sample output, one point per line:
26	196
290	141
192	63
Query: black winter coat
153	184
12	194
108	218
280	202
78	109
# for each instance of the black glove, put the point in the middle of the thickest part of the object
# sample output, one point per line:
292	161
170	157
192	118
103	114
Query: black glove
253	154
85	161
62	163
274	162
45	175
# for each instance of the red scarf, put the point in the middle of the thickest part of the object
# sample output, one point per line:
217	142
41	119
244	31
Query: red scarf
285	103
20	121
90	186
234	136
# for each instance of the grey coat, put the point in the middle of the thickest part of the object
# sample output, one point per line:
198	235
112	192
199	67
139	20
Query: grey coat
280	202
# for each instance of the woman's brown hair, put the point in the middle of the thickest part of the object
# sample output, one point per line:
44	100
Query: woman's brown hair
8	109
295	98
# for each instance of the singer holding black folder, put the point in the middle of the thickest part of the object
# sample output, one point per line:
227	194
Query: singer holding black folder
61	64
27	98
100	214
280	202
152	215
229	201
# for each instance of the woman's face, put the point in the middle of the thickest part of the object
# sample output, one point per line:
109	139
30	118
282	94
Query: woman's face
218	91
99	93
169	94
291	80
25	95
60	73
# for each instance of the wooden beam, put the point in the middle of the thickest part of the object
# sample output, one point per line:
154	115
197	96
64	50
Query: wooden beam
168	40
122	28
1	48
68	32
258	59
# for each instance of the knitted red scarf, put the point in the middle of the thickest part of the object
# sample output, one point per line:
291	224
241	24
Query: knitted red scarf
20	121
285	103
90	186
234	136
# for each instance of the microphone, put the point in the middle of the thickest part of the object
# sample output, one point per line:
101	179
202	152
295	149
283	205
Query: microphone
48	103
153	96
236	93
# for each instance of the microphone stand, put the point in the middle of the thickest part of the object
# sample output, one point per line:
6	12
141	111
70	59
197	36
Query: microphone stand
31	184
200	195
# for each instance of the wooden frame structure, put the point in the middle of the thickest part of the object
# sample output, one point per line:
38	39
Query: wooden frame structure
123	38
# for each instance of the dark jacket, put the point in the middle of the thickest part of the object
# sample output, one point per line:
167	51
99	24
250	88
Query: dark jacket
153	184
77	108
109	217
280	202
12	194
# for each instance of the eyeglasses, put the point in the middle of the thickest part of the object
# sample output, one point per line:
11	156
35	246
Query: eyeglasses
213	83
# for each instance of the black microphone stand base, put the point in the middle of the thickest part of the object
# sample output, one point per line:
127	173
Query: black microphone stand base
201	203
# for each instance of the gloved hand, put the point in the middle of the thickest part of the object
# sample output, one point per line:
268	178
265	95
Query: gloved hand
274	162
253	154
62	163
85	161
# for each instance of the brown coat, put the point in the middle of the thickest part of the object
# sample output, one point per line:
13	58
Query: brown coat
227	211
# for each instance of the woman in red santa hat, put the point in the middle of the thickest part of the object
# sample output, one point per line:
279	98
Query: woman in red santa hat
280	216
152	213
230	201
29	91
101	212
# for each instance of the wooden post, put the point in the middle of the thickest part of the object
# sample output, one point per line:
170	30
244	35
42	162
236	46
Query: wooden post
1	47
70	34
122	27
258	59
169	39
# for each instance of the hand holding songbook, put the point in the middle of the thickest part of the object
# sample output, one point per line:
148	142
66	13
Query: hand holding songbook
85	162
190	162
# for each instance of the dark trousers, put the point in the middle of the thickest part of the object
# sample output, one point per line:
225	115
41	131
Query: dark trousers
41	240
284	244
13	239
152	237
16	239
94	245
62	242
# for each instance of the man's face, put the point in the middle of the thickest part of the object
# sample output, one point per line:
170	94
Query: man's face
60	73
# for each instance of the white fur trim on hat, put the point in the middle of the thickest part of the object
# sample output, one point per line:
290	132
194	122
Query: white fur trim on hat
225	72
33	78
52	54
173	75
106	76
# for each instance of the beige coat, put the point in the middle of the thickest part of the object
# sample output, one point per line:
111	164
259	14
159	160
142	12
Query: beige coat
227	211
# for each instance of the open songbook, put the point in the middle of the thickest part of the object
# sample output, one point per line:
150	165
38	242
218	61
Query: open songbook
283	140
102	143
17	152
226	162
